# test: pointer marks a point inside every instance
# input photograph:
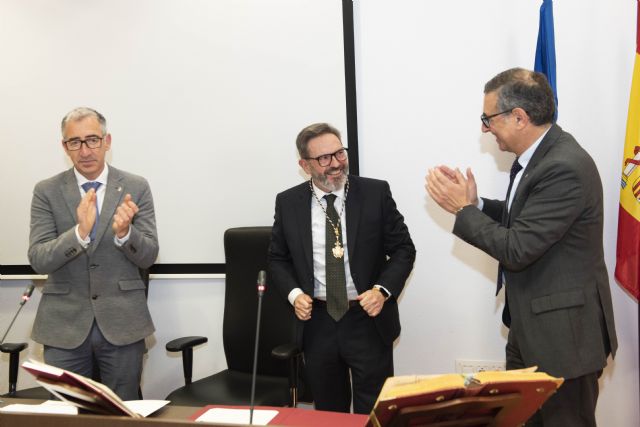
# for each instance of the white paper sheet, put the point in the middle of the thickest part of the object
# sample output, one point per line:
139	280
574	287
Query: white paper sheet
142	407
145	407
48	407
261	417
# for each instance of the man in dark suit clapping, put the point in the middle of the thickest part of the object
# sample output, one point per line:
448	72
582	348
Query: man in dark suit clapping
547	237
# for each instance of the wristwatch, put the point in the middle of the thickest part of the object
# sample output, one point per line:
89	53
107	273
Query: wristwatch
385	293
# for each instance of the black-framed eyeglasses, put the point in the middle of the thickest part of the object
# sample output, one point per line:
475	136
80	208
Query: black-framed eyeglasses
74	144
486	120
325	159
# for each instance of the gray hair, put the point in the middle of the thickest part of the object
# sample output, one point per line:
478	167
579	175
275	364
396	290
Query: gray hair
80	113
310	132
526	89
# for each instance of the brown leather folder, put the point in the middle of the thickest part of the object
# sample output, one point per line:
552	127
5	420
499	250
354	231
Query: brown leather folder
491	398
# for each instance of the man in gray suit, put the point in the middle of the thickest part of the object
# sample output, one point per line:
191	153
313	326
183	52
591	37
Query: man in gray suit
547	237
92	229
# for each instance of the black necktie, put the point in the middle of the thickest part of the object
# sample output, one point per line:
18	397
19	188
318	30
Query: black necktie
515	168
86	187
337	302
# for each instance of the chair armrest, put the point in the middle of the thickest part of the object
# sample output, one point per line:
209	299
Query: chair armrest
180	344
286	351
13	348
293	354
185	345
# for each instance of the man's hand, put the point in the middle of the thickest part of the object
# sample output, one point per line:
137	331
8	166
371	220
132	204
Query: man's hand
87	212
450	189
303	305
123	216
371	301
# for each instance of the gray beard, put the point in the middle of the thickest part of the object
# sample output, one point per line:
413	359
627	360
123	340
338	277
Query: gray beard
324	181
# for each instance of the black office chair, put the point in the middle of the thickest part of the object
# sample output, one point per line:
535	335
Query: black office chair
279	360
14	349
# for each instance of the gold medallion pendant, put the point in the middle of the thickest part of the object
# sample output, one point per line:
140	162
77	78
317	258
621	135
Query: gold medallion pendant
338	250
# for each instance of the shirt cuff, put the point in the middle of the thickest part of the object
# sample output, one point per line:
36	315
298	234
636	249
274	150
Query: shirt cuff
120	242
83	242
383	293
480	204
294	294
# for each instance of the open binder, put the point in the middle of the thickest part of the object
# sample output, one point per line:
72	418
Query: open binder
490	398
78	390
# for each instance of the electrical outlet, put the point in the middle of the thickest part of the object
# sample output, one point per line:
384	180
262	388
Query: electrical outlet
465	366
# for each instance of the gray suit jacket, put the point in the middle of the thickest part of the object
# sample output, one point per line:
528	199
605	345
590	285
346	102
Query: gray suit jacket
101	282
557	287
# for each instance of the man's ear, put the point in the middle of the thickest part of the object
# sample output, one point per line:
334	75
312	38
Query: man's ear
521	116
304	165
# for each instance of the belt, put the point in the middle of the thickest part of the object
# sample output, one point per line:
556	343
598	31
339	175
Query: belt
323	303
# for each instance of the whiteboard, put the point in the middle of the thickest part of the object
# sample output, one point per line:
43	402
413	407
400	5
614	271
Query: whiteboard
203	98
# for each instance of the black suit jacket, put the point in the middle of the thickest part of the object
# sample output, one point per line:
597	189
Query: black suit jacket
557	286
380	248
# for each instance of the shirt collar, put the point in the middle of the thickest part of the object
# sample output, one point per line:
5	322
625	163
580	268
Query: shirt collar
528	153
320	193
102	178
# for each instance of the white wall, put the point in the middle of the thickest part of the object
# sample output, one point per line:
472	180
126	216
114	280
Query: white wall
421	69
202	98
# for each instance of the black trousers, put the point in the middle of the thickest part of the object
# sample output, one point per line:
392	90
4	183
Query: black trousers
343	355
574	404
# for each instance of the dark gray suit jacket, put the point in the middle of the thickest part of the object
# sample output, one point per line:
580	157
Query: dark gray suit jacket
101	282
557	286
379	244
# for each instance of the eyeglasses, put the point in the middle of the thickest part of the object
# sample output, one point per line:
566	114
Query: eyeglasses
325	159
74	144
486	120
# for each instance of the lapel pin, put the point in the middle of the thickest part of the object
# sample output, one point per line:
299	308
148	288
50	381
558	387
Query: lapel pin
119	189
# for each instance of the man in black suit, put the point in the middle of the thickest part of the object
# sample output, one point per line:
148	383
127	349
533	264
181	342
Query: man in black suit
341	253
547	237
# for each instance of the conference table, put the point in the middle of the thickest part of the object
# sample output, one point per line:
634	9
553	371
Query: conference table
173	416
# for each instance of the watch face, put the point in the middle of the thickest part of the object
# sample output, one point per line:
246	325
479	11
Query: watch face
383	291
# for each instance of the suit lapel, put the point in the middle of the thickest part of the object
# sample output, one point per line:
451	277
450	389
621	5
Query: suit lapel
547	142
353	208
71	193
112	197
303	215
